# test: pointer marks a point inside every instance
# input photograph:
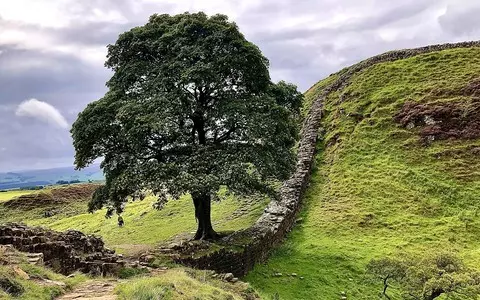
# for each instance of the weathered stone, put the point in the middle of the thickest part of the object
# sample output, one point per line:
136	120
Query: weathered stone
228	277
149	259
65	252
21	273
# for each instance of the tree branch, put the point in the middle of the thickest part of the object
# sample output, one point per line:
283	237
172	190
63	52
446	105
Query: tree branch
226	135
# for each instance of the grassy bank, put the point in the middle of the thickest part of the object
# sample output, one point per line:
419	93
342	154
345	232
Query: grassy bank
378	189
144	226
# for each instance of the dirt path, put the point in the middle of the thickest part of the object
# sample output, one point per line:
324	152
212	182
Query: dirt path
93	290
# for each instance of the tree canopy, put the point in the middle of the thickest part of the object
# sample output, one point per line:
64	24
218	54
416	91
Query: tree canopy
427	277
190	108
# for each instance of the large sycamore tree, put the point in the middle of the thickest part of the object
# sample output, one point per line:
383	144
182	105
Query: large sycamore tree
190	109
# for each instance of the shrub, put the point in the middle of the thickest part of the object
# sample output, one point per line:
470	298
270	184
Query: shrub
427	277
11	286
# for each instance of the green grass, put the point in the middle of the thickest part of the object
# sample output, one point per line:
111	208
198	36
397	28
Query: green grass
4	196
377	191
182	284
144	227
35	287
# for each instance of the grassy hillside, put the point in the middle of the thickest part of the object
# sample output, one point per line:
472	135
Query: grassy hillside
383	188
7	195
144	227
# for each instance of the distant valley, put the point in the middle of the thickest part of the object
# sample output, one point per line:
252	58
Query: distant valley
32	178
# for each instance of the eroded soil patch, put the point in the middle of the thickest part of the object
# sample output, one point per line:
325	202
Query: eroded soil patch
442	121
54	196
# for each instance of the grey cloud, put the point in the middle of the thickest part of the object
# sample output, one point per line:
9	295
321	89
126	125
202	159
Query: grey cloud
460	19
98	33
55	75
65	82
302	53
403	10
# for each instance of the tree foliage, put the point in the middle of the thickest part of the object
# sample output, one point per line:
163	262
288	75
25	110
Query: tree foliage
427	277
190	108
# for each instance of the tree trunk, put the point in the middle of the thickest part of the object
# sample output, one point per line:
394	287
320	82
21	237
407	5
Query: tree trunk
385	287
203	208
435	294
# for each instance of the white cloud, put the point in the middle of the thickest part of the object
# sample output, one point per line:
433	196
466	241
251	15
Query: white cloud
42	111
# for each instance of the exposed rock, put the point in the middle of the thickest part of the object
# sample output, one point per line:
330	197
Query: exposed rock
228	277
20	273
93	290
65	252
49	213
53	283
35	258
148	258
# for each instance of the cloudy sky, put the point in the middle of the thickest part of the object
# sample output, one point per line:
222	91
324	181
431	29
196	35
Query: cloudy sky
52	52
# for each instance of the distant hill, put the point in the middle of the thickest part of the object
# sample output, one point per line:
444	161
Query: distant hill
29	178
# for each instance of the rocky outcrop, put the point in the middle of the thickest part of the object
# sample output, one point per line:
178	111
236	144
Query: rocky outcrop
65	252
279	217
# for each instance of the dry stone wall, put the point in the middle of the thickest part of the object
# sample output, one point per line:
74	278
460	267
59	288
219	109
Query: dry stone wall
64	252
279	217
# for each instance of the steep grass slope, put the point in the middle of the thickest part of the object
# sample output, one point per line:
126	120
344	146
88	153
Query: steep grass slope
397	173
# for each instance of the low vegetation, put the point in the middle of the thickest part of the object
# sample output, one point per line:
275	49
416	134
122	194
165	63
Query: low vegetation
379	190
20	280
427	277
7	195
185	284
144	226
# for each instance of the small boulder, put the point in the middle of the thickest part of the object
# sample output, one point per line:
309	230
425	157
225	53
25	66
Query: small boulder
148	259
21	273
228	277
49	282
